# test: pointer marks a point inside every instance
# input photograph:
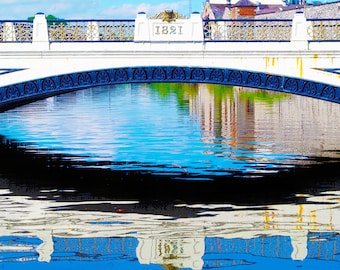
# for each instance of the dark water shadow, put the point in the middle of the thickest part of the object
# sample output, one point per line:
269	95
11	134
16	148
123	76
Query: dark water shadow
35	172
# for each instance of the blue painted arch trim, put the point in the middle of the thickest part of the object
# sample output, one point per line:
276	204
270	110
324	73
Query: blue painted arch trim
25	92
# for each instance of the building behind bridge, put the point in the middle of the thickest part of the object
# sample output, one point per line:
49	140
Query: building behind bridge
268	9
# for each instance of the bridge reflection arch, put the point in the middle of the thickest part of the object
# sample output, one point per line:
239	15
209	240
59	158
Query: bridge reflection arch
25	92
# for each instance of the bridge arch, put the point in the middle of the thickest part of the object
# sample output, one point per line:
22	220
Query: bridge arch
29	91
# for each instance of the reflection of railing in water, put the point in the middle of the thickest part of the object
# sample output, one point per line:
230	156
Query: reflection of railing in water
94	249
184	252
52	231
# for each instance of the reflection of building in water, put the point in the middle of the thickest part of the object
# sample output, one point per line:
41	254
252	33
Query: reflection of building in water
317	123
288	124
223	114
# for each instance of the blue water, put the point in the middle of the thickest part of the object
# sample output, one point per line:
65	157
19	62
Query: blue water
189	132
165	129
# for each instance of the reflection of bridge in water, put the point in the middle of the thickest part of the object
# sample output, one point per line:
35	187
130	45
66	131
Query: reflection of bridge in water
41	59
215	235
45	59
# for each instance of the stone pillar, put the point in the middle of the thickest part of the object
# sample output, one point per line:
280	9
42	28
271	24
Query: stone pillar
40	38
197	27
299	38
141	28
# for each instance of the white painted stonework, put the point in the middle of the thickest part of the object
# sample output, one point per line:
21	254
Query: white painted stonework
298	58
158	30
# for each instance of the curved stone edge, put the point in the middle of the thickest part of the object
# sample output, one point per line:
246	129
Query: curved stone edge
29	91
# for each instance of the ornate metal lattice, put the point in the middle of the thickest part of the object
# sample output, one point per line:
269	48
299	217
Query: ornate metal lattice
215	30
324	29
21	31
251	30
96	30
16	94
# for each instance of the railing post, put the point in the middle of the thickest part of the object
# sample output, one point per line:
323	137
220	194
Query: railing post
40	38
9	32
92	31
299	38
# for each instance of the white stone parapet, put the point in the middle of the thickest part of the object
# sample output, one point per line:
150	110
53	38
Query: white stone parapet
147	29
173	29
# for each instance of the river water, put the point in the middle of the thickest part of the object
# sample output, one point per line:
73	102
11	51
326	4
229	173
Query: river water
170	176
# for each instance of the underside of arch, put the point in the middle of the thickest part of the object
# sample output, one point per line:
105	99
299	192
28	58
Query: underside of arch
25	92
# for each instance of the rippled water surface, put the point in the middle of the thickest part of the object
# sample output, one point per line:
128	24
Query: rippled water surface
196	129
235	178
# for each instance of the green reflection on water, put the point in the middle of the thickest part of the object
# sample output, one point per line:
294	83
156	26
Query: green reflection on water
183	92
221	92
263	96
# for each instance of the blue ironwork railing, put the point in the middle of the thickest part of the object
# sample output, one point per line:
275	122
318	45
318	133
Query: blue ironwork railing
214	30
94	30
16	31
324	29
247	30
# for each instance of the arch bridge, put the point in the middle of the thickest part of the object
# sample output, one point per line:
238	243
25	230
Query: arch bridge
43	58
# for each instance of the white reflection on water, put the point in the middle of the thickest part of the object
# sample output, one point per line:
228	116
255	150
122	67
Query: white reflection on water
163	239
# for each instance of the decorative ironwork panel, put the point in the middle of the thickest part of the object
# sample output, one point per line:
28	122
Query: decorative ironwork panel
291	85
117	30
21	31
67	31
139	74
254	79
17	94
198	74
324	29
96	30
250	30
48	85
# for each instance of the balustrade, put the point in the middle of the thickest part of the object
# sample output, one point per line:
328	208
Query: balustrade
16	31
324	29
247	30
95	30
214	30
